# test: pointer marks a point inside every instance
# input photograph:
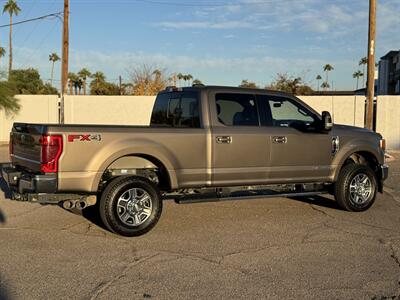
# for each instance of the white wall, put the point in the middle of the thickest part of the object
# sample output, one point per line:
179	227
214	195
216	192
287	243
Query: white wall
34	109
388	120
348	110
118	110
136	110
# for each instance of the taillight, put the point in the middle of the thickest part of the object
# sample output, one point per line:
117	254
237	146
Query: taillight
10	145
51	152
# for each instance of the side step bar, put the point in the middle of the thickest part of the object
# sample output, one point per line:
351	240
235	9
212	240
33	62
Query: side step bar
187	199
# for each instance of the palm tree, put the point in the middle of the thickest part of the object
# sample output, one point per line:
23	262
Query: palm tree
12	8
180	76
53	58
98	78
84	74
357	75
73	83
327	69
325	85
189	77
363	62
318	78
2	52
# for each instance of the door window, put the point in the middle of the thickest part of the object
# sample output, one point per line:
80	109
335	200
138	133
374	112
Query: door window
285	112
237	109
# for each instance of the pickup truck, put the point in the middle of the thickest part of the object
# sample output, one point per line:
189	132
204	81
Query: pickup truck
204	143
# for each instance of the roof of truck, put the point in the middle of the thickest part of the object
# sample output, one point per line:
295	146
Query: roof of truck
224	88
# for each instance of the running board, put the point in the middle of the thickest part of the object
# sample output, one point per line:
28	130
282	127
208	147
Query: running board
187	199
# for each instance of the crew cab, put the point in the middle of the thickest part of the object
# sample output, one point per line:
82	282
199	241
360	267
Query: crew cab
203	143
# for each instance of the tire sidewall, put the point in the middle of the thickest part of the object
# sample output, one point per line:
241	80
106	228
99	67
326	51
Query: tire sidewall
109	199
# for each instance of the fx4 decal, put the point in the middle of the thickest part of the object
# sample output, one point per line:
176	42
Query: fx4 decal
84	137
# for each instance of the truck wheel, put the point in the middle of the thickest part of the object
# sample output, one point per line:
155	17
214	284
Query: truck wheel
356	188
130	206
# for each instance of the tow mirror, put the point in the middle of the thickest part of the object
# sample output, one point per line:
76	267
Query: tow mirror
327	121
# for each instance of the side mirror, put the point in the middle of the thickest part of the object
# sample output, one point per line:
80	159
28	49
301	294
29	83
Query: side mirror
326	121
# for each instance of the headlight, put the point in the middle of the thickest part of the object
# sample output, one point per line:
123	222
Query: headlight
382	144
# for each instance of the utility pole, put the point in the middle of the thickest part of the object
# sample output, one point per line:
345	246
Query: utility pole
64	62
371	65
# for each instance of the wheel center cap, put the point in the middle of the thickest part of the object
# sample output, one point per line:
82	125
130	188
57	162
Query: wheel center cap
133	207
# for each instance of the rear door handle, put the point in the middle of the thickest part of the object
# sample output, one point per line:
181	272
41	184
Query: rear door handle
224	139
279	139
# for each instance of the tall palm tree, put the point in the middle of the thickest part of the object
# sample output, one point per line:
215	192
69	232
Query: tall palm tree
318	78
11	7
327	69
363	62
53	58
84	74
357	75
2	52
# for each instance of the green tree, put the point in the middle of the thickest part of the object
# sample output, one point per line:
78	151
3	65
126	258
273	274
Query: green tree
197	82
318	78
327	69
363	62
2	52
28	81
7	101
53	58
290	84
11	7
84	74
248	84
99	85
357	75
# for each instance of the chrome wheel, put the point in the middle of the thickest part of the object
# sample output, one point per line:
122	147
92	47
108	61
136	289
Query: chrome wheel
360	189
134	207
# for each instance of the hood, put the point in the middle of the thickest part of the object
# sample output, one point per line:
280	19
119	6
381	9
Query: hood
354	129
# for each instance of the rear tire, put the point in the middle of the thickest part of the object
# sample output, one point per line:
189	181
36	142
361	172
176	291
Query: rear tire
130	206
356	188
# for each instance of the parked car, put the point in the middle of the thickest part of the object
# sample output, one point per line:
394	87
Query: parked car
203	143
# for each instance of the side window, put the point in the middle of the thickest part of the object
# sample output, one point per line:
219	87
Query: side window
284	112
176	110
237	109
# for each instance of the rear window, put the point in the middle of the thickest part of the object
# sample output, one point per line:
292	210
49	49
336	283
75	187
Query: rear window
180	109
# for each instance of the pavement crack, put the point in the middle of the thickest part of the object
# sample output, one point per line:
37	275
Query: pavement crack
102	287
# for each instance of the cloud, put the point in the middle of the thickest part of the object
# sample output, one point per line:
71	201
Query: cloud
205	25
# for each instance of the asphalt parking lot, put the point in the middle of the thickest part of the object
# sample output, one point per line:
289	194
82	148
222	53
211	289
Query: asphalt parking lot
268	248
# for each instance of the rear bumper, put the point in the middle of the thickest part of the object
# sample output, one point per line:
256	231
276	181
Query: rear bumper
23	182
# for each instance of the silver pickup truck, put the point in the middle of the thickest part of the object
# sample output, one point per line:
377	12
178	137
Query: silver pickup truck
204	143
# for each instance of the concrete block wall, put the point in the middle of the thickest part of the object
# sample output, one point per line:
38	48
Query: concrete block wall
136	110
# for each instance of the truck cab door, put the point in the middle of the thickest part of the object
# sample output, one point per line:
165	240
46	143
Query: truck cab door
300	152
240	151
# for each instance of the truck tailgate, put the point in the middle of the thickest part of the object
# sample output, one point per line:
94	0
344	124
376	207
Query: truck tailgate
26	147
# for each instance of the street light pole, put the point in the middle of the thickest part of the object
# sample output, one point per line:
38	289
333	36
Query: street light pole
64	62
371	65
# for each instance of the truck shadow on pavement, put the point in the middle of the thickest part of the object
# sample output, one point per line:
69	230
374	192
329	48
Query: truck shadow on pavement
318	200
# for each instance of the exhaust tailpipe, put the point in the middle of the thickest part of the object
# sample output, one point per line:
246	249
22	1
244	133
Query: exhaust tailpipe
81	204
68	204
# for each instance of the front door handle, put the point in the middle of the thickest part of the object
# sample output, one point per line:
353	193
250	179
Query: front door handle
279	139
224	139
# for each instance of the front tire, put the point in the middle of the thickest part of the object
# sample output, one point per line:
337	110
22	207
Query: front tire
130	206
356	188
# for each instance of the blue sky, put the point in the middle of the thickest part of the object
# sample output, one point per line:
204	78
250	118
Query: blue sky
219	42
